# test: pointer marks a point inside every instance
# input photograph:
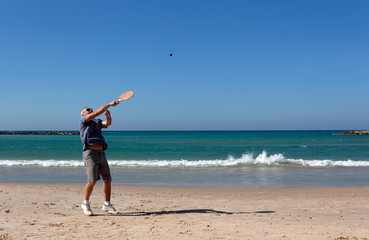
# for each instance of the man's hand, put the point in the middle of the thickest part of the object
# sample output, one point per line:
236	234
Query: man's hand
107	113
114	103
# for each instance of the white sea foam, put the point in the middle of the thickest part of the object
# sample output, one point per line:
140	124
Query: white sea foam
246	159
41	163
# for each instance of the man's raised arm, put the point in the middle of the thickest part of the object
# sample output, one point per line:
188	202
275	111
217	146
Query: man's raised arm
107	122
101	110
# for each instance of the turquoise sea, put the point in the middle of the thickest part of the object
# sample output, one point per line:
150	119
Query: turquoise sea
195	158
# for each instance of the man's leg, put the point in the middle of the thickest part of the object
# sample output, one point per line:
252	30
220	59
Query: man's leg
106	176
86	203
88	190
107	190
92	170
107	206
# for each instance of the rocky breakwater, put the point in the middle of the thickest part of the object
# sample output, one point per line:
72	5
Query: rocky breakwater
39	133
355	132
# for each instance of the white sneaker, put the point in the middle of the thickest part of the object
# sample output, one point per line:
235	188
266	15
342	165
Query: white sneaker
109	209
86	209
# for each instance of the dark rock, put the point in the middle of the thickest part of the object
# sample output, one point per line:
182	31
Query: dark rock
39	133
355	132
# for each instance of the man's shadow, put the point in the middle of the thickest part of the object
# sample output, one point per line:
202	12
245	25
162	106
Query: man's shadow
203	211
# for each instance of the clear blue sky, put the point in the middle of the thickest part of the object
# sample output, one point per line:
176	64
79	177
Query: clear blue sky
236	65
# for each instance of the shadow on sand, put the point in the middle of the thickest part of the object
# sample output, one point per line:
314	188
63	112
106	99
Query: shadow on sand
211	211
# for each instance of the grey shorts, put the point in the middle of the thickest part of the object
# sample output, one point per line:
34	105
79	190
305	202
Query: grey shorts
96	165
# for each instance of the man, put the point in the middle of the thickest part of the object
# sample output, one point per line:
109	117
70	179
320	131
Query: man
94	157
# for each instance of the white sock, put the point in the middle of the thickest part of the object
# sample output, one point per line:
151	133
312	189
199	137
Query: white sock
107	203
86	202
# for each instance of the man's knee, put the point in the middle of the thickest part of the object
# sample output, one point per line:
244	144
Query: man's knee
91	183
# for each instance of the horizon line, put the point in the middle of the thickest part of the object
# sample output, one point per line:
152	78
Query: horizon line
203	130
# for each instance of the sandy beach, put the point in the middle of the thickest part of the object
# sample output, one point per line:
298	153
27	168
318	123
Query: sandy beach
44	211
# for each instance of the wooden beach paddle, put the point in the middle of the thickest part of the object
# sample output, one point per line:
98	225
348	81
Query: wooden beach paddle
125	96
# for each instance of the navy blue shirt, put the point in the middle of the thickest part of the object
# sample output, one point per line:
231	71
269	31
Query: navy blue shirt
90	133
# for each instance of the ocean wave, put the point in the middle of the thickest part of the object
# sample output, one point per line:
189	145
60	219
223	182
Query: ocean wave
247	159
41	163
